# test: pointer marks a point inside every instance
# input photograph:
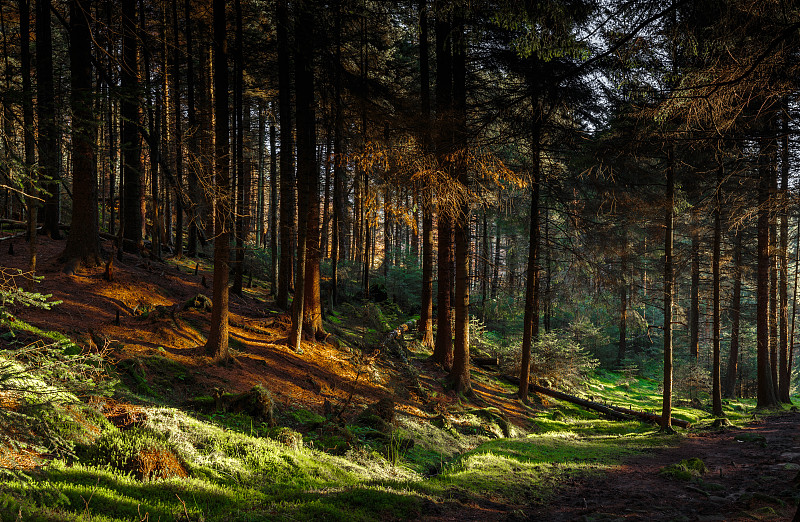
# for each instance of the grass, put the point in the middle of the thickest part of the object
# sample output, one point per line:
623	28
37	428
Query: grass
240	470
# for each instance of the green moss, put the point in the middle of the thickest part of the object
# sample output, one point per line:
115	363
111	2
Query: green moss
685	470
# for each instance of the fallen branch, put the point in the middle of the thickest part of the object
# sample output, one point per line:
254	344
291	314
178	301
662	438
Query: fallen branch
614	412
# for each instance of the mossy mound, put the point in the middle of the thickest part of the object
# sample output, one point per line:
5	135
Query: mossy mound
685	470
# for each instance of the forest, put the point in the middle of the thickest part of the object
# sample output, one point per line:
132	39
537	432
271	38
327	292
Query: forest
424	259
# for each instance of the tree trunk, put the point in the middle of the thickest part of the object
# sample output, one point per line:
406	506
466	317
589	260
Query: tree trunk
766	396
131	142
459	376
83	245
178	117
217	344
192	145
287	164
530	324
238	104
669	221
28	134
784	376
443	348
623	299
736	307
307	175
716	387
273	208
694	312
48	143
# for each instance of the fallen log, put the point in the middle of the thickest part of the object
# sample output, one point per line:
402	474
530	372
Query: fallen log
613	412
397	332
485	361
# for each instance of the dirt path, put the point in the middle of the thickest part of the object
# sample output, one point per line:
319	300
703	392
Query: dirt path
752	476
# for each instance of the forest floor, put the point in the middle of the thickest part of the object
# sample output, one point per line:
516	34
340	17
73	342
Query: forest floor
752	474
139	323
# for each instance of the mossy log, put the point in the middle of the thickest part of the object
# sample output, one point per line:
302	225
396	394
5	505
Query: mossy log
397	332
614	412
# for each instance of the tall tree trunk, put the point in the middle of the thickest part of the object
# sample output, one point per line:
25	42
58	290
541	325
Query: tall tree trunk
273	207
694	312
28	136
307	175
48	142
669	280
238	103
530	323
131	142
766	396
784	376
623	299
287	164
425	324
192	145
459	376
324	235
443	348
178	117
736	307
307	162
83	245
261	195
496	264
341	237
217	344
716	385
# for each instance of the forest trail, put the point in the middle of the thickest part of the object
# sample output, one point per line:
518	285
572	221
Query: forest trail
752	475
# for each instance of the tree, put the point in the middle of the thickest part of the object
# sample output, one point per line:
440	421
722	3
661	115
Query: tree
287	198
48	143
83	245
669	281
217	343
132	197
308	176
425	324
459	375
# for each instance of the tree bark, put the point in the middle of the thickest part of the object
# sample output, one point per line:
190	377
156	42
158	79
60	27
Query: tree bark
178	126
766	396
29	141
784	375
735	316
716	385
669	221
286	160
238	104
217	344
459	375
306	160
694	312
83	244
48	142
131	142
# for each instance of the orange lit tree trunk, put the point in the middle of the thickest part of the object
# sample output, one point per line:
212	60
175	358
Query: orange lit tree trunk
217	344
307	175
287	197
425	325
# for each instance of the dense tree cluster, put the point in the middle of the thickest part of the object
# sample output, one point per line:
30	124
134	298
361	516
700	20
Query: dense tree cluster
618	170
